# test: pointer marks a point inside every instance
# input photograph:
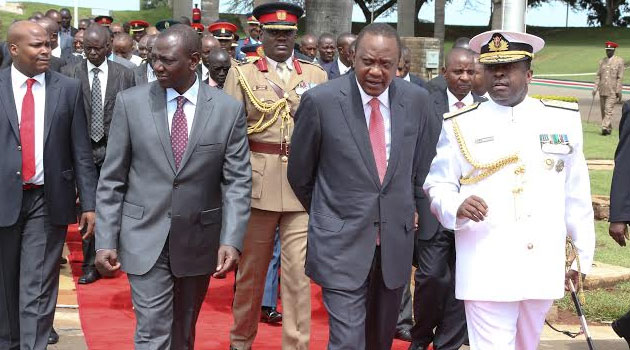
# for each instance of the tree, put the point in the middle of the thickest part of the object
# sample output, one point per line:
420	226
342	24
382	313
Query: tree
439	29
333	16
209	11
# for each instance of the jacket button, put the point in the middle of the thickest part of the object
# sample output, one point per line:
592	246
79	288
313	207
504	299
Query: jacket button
19	148
18	173
176	185
530	246
284	159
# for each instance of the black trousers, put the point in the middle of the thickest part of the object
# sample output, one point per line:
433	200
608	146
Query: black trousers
89	245
29	275
440	318
364	318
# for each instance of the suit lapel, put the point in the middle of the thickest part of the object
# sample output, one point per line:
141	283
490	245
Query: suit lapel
52	98
157	101
203	110
8	100
397	125
87	93
110	89
294	80
441	103
352	107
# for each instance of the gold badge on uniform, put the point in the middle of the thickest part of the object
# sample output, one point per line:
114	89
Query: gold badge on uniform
549	163
498	43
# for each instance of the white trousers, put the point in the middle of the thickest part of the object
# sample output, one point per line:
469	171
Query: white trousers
505	325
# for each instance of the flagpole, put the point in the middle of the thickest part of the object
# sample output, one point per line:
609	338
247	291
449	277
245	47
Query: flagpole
76	13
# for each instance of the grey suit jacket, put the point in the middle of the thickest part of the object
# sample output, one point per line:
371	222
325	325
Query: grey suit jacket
123	61
119	79
140	74
68	161
428	224
333	173
142	198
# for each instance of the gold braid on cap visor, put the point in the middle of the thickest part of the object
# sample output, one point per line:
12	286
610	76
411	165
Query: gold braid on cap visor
279	26
503	56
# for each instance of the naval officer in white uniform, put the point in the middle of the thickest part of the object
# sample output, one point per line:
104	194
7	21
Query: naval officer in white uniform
511	179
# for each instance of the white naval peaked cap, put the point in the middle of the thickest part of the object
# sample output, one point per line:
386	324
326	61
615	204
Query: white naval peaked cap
499	46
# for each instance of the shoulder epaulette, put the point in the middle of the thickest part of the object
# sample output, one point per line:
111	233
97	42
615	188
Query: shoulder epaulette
310	63
461	111
571	106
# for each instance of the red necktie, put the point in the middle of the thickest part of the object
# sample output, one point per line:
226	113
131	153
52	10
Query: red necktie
377	138
27	132
459	105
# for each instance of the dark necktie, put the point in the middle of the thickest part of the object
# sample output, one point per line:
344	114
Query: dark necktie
179	131
27	132
97	129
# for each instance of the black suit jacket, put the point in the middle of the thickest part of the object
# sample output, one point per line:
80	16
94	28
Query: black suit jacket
418	81
333	173
140	74
620	188
333	70
119	79
437	84
428	224
68	163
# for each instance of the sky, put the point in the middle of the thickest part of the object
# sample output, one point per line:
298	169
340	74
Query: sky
477	12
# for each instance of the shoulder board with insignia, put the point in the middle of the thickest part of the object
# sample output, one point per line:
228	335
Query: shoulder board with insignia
461	111
571	106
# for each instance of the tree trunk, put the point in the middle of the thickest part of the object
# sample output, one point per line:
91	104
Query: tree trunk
182	8
609	12
260	2
497	14
406	20
439	28
332	16
209	11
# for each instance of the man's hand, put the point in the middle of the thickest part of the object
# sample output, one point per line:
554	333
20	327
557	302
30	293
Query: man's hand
226	261
106	261
619	232
473	208
416	220
573	276
87	223
618	96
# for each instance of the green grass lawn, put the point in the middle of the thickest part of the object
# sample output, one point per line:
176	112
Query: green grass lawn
600	181
597	146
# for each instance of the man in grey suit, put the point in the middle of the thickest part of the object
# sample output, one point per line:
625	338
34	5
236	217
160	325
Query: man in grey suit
173	208
357	143
46	156
101	80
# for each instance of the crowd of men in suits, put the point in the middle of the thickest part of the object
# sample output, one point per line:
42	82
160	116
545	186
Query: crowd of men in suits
212	152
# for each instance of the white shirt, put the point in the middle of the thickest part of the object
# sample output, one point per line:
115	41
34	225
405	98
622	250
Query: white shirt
407	78
18	82
102	77
150	74
518	251
137	60
384	107
343	69
452	100
189	107
56	51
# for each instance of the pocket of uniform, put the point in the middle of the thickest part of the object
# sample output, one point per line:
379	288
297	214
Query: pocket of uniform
132	210
258	171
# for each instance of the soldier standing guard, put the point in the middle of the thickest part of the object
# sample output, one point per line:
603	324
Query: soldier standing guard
609	82
270	88
511	179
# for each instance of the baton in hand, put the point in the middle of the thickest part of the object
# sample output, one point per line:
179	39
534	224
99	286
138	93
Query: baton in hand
580	313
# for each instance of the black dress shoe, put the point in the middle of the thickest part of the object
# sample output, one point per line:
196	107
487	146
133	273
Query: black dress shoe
621	332
270	315
90	277
53	337
63	261
403	334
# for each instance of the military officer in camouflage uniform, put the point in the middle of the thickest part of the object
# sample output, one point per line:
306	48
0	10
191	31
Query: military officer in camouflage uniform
608	83
270	88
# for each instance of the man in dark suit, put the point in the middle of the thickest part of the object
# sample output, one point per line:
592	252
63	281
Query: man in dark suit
144	74
404	68
343	63
46	157
355	149
439	83
100	81
440	318
172	208
326	49
56	62
620	205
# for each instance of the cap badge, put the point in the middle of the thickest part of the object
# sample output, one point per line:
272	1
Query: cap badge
281	14
166	24
498	43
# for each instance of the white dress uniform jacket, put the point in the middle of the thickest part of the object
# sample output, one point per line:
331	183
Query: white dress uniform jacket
518	251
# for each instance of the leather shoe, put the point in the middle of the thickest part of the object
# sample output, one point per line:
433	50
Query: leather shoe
89	277
53	337
621	332
403	334
270	315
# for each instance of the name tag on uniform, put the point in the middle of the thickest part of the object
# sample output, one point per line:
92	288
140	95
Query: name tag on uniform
485	139
260	87
555	144
303	87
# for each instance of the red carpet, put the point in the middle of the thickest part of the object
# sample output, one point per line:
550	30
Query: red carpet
108	320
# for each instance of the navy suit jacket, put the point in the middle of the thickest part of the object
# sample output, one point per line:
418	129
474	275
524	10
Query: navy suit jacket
333	70
68	163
